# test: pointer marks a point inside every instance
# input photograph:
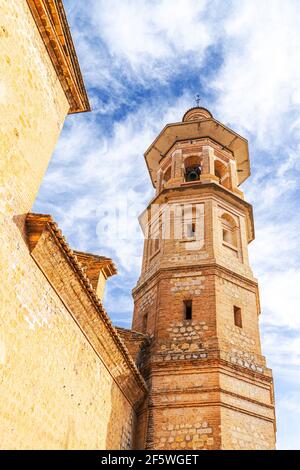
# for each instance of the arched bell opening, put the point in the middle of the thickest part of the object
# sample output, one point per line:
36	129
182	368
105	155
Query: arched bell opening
223	174
192	168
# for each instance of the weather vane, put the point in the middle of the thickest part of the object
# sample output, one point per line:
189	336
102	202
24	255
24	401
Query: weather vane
197	99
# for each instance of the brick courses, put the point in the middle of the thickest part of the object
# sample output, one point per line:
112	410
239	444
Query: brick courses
209	386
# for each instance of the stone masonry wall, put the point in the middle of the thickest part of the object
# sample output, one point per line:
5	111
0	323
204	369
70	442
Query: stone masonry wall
180	414
56	393
187	341
33	106
175	335
193	435
240	432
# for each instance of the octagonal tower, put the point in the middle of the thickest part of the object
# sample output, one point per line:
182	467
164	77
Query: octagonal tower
197	298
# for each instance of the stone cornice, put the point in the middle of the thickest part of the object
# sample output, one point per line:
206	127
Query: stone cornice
51	21
211	365
198	391
220	404
48	248
201	266
196	129
218	269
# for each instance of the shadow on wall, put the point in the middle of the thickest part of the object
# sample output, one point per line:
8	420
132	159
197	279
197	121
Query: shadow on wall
119	436
20	222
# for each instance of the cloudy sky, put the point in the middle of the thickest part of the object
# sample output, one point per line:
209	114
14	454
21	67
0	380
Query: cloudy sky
143	61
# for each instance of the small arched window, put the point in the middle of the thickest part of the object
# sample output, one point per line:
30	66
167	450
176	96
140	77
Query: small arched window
229	230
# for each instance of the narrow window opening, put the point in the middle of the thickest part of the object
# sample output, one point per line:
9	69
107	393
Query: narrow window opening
237	316
188	311
144	323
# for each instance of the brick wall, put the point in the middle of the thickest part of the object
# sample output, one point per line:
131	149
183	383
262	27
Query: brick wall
33	106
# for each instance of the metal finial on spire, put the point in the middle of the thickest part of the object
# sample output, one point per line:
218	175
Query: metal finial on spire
197	99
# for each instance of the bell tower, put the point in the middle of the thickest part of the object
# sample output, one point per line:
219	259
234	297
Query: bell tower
197	299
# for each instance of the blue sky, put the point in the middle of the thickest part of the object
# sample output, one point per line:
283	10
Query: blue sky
143	61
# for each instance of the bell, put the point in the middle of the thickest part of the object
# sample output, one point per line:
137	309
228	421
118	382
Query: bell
192	173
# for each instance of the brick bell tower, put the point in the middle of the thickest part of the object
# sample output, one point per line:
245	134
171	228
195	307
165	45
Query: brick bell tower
197	299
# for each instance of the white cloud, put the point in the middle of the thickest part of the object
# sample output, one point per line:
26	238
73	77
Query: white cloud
281	297
287	412
275	247
259	81
142	39
285	355
143	30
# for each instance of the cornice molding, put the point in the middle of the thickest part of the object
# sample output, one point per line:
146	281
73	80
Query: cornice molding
211	188
211	365
217	269
51	21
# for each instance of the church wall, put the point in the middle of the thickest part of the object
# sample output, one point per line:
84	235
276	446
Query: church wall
56	391
33	106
